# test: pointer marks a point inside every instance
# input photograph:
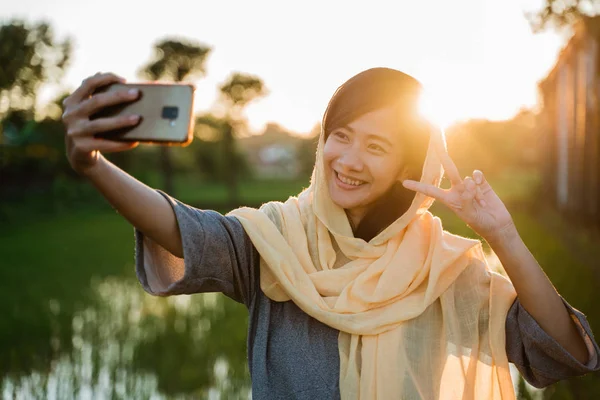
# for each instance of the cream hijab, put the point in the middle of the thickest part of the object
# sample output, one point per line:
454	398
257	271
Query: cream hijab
420	313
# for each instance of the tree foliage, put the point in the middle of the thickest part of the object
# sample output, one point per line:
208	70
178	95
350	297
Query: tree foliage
174	60
30	55
559	14
240	89
236	93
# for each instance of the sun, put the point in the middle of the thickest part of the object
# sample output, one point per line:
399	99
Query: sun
446	102
441	113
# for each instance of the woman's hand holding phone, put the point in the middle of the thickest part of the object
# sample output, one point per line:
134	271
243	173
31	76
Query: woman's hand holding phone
138	203
83	149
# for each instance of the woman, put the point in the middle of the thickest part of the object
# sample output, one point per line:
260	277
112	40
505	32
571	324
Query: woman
353	288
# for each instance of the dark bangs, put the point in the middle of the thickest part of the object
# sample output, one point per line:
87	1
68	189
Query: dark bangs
369	91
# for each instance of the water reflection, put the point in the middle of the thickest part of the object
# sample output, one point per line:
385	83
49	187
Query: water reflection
127	344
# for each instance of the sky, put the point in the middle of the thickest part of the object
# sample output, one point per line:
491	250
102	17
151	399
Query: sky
476	58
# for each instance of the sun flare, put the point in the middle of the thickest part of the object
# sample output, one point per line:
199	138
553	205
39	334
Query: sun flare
433	108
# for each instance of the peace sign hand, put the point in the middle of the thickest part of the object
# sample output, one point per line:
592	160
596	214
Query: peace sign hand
472	199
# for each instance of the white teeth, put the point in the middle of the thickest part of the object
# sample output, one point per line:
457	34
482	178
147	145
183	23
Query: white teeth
349	181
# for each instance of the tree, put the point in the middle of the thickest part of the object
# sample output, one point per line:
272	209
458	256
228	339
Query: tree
562	13
30	55
207	146
236	93
176	61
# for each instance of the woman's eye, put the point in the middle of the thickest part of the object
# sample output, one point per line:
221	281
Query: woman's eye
377	147
341	135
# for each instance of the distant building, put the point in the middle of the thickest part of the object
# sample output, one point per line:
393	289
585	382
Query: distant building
275	153
276	161
570	120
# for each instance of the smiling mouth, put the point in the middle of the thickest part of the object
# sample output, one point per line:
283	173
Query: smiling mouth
348	181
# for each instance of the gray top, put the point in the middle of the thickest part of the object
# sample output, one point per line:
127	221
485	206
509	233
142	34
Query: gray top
290	354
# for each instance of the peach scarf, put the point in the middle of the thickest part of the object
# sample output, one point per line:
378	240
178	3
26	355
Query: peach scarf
420	313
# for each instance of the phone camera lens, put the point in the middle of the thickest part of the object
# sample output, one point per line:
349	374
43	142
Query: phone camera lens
170	112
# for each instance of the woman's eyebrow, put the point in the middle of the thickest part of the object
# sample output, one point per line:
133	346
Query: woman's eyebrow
380	138
372	136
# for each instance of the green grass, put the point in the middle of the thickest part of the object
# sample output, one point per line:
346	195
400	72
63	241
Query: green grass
56	257
47	268
191	190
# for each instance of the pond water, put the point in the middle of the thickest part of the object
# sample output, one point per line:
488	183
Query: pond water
127	344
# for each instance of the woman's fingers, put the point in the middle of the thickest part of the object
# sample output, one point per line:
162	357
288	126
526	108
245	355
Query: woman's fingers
110	124
101	100
82	148
479	196
89	128
89	85
88	145
470	189
479	177
462	195
449	166
80	105
110	146
73	104
481	185
428	190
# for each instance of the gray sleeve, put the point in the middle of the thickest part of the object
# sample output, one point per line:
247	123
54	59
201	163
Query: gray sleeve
542	360
218	256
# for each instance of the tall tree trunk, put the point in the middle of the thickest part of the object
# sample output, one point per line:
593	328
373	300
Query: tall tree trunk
231	167
167	170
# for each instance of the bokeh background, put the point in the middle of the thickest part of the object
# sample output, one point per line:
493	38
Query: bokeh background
515	84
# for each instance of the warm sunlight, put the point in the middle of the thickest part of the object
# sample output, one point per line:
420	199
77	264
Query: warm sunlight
431	109
461	91
446	105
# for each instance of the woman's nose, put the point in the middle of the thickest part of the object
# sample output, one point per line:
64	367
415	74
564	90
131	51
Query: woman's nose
351	160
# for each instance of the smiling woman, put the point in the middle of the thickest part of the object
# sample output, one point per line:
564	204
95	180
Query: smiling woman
353	287
374	139
361	167
404	294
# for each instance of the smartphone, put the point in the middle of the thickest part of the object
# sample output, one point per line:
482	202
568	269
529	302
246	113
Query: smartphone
165	110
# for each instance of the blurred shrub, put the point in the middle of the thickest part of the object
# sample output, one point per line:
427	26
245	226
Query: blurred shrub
495	146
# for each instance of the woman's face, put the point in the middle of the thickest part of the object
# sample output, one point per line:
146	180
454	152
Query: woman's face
363	160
